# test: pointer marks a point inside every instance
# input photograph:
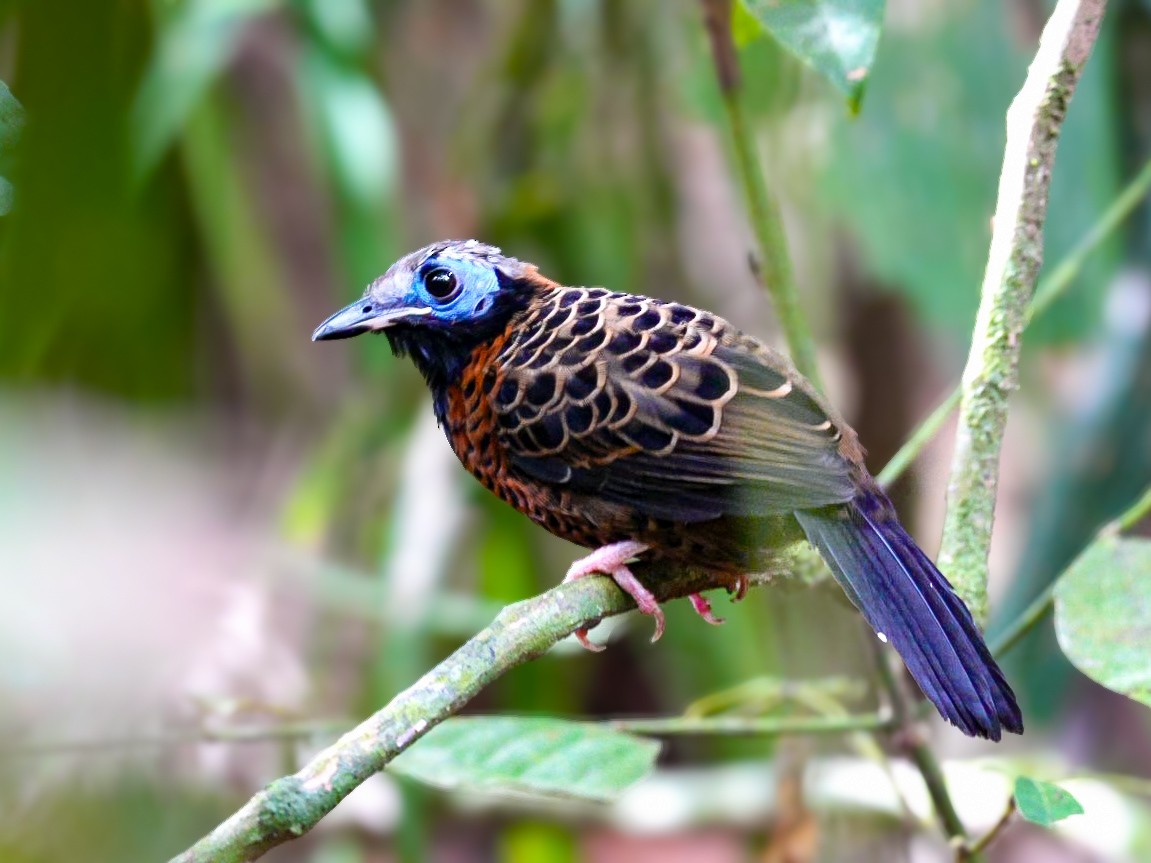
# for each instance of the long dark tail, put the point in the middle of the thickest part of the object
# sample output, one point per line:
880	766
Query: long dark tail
907	600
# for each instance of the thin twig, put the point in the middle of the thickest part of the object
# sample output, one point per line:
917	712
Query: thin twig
1135	513
238	734
921	437
1034	121
909	736
1050	289
1036	610
713	726
1045	601
966	854
932	773
754	726
763	208
1055	285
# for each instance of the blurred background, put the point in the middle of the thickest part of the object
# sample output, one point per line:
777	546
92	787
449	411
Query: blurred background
208	523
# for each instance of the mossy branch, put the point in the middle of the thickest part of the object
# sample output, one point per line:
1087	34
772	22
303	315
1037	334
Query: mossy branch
1034	122
292	805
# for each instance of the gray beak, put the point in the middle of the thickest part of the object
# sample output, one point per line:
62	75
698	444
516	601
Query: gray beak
362	316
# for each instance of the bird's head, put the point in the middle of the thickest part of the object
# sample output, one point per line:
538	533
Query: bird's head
444	286
438	303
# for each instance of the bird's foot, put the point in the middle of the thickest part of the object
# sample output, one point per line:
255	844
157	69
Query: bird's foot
703	608
612	560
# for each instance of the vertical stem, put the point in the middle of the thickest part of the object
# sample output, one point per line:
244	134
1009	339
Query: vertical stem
911	738
763	208
932	774
922	436
1019	627
1034	121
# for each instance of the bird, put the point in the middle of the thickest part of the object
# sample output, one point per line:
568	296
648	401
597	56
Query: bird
645	429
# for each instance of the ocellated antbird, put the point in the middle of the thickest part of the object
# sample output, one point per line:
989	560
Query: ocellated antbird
635	426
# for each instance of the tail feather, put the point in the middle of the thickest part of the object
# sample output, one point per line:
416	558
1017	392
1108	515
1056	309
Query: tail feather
910	603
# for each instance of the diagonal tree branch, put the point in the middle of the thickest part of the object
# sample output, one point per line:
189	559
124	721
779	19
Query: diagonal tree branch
292	805
1034	121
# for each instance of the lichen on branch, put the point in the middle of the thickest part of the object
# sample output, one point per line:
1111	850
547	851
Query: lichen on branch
292	805
1034	121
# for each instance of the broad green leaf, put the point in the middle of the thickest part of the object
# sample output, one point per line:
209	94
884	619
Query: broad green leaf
11	119
837	38
1103	615
914	177
6	197
1043	803
529	755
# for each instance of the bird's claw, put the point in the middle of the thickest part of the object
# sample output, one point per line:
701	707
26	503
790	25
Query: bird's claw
587	643
703	608
612	560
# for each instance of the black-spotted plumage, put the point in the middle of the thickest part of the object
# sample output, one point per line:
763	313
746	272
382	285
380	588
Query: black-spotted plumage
660	408
622	421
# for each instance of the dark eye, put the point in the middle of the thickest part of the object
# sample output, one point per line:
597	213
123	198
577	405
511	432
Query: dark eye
441	283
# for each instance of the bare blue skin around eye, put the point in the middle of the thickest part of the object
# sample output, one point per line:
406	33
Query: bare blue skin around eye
478	285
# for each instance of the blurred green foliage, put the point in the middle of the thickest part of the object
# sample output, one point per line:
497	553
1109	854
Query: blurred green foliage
930	140
11	125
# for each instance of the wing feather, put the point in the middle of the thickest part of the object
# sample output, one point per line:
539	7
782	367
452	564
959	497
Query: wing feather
665	409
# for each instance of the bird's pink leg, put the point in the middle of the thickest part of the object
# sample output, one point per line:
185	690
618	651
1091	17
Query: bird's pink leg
612	560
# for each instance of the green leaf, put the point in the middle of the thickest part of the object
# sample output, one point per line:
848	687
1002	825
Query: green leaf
528	755
1103	615
6	197
1043	803
837	38
914	177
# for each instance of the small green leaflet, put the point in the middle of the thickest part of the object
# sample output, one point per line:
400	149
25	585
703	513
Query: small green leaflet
528	755
1103	615
837	38
1043	803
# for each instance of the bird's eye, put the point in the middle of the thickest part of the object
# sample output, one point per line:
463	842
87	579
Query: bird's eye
441	283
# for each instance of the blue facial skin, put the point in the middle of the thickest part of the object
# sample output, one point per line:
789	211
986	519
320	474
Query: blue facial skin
444	291
438	305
